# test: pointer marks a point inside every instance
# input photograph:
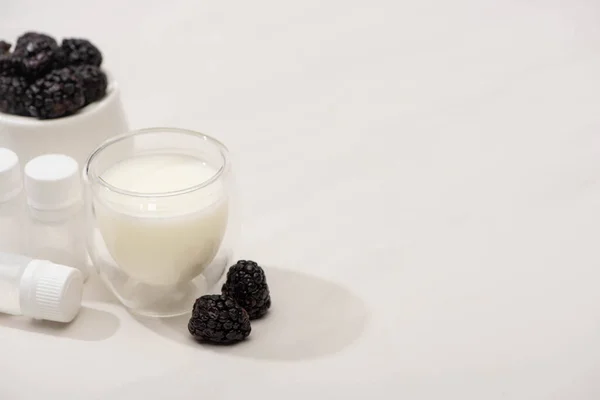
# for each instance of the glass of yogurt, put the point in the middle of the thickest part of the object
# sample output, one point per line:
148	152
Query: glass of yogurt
160	227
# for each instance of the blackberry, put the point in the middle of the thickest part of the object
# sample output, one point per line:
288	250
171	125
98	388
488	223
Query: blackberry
94	82
29	37
10	65
219	319
12	95
4	47
79	52
37	53
247	284
57	94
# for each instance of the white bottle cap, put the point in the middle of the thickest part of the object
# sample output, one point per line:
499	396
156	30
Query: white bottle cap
52	182
50	291
10	175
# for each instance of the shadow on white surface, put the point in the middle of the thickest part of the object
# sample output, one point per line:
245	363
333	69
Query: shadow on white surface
95	290
90	325
310	318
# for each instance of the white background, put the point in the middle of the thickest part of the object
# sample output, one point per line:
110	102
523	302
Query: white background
420	177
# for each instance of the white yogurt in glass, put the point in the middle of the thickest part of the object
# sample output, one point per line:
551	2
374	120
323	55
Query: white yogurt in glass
162	234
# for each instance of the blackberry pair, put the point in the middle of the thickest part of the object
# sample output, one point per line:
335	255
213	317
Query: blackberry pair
44	80
225	318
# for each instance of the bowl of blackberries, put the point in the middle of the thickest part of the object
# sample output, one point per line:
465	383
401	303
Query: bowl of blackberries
43	79
56	94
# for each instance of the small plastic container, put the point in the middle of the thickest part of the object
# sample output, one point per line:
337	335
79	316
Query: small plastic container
12	204
39	289
54	197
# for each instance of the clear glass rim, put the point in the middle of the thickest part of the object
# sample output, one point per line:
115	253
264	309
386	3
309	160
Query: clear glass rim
93	177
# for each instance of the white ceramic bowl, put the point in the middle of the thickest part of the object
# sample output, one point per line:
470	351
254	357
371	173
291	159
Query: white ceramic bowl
76	135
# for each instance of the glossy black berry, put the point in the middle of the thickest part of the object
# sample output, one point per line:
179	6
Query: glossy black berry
38	54
12	95
94	82
219	319
30	37
57	94
247	284
80	52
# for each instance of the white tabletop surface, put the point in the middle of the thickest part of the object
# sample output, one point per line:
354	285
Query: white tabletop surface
421	179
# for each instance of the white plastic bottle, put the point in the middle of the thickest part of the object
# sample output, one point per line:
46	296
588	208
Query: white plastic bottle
54	197
12	204
39	289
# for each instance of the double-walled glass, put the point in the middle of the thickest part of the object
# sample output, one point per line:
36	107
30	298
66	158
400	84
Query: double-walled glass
160	220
